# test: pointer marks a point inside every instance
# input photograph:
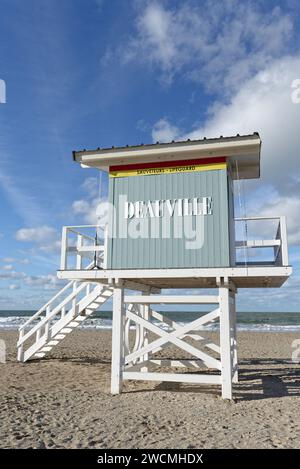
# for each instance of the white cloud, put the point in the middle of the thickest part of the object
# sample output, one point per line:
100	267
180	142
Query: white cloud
290	207
92	209
12	274
23	203
164	131
37	235
216	43
44	282
91	186
92	212
47	282
81	207
24	261
45	237
8	259
264	104
7	267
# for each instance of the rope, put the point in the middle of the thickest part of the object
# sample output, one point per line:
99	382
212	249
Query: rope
241	216
245	211
98	219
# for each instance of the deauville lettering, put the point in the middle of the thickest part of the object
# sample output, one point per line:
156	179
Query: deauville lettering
168	208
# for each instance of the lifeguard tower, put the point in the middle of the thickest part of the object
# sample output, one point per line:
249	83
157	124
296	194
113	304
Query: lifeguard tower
171	226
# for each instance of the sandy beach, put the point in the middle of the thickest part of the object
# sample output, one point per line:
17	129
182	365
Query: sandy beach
64	401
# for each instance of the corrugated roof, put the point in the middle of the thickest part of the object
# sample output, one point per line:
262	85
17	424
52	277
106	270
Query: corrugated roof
205	140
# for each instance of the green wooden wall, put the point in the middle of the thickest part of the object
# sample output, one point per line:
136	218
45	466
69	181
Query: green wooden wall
156	252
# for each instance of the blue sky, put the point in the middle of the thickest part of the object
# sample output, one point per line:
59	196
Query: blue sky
88	73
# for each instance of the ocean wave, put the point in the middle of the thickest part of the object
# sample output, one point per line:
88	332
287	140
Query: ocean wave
14	322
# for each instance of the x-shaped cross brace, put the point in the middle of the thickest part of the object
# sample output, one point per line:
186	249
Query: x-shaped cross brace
174	337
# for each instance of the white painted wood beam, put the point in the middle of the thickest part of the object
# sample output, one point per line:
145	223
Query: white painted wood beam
225	344
117	341
172	299
174	338
194	378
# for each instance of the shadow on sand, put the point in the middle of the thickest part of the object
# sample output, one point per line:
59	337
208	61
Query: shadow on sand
259	378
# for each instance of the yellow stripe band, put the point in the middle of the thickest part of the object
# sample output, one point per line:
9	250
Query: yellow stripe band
167	170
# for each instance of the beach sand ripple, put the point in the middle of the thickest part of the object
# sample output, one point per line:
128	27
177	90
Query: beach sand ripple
63	401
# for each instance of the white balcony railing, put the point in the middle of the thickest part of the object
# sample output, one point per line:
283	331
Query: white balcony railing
83	247
272	241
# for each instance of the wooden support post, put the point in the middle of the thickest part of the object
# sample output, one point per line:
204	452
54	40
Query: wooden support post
117	363
145	342
225	343
235	376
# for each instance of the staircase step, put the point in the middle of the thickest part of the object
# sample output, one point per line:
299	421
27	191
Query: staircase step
80	318
66	330
46	348
74	324
85	307
53	342
60	336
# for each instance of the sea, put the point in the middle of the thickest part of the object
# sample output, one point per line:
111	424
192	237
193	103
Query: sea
246	321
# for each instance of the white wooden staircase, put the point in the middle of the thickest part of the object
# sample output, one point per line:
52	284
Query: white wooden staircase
60	316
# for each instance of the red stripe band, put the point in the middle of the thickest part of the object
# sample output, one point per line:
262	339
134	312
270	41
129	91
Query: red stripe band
168	164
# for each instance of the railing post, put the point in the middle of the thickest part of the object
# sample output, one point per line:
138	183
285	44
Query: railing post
284	244
64	248
21	347
47	323
78	256
74	301
105	246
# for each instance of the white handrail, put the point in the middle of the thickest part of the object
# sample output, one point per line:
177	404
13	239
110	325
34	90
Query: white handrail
43	308
53	313
102	227
257	218
81	234
80	250
279	243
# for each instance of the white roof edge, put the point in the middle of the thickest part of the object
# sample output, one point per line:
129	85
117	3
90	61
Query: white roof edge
99	156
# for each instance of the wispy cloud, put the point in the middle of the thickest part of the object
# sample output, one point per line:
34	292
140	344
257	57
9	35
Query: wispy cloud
12	274
23	204
46	238
164	131
219	44
93	207
263	103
